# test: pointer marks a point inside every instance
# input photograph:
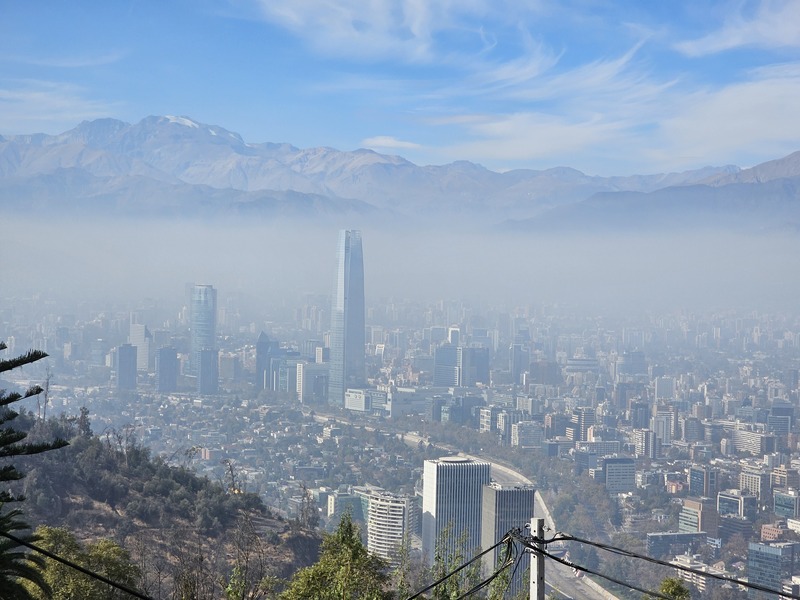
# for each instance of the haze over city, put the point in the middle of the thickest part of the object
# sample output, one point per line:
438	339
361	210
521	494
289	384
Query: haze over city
449	270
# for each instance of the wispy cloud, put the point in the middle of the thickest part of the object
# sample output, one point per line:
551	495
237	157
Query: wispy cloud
775	24
45	106
67	62
373	30
387	142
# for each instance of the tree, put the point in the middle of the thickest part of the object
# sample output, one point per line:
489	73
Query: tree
103	556
344	571
675	588
17	566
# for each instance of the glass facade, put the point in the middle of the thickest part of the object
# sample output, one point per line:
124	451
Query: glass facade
203	322
348	332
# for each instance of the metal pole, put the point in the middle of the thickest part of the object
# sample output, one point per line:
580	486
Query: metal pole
537	561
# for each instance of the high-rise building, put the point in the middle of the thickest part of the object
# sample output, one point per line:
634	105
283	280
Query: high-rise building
452	504
208	372
266	350
139	335
348	332
703	481
390	522
769	564
166	370
504	508
126	367
203	323
583	417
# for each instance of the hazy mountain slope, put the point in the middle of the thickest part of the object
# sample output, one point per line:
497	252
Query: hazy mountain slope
788	166
741	207
178	166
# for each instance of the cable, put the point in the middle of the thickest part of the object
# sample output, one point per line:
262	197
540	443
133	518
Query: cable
509	560
606	577
462	567
514	571
77	567
630	554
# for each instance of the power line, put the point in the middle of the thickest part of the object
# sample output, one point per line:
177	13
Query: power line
529	541
75	566
606	577
506	539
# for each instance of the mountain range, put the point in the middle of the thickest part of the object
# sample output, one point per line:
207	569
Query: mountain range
178	167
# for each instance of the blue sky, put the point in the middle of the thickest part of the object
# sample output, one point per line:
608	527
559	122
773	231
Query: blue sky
609	88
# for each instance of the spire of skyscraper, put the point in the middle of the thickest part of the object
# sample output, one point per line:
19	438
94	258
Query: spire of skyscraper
348	335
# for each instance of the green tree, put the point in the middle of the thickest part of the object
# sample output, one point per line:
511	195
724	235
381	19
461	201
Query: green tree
17	566
104	557
345	570
675	588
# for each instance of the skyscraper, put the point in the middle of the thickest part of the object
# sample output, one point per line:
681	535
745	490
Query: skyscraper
166	369
504	508
452	492
126	367
348	335
203	323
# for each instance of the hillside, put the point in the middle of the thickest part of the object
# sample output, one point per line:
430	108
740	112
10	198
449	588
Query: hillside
166	517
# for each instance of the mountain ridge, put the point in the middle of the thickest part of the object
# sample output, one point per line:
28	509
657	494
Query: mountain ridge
178	165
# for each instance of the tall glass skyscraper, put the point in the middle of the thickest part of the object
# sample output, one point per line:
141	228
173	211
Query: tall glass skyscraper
203	323
348	335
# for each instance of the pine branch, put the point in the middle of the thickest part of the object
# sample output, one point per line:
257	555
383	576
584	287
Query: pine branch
29	357
14	396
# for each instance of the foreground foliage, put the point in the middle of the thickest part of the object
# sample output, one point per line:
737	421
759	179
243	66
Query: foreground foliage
345	570
16	564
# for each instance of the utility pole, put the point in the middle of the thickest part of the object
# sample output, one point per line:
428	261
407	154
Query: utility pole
537	561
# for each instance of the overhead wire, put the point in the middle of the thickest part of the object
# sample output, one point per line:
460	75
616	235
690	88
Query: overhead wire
562	537
507	562
75	566
458	569
720	577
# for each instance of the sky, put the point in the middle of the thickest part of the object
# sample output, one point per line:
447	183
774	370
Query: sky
609	88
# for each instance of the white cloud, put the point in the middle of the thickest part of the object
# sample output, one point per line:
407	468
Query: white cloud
775	24
757	118
46	107
378	29
387	141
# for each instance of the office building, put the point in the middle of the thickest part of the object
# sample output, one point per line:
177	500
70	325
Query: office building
266	350
583	417
737	503
504	508
756	482
208	372
769	565
166	370
619	474
139	335
452	504
126	367
312	382
703	481
699	514
786	503
203	323
348	332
